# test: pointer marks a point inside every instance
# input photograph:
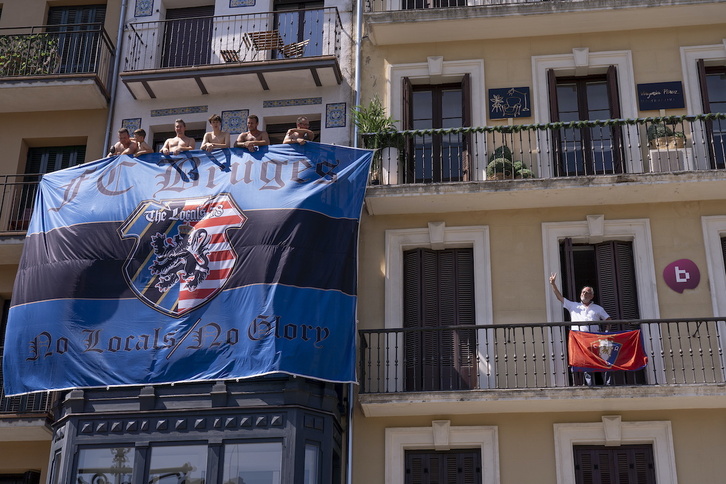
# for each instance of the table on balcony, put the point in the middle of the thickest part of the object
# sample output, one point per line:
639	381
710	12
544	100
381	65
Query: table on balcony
264	40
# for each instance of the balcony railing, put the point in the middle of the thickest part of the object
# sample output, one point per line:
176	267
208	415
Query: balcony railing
17	195
388	5
53	50
495	357
553	150
233	39
32	403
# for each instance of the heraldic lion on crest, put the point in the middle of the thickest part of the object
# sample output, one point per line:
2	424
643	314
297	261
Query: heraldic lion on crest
183	258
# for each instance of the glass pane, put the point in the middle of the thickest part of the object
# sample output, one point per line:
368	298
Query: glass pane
567	102
312	464
422	109
109	465
597	100
253	463
178	463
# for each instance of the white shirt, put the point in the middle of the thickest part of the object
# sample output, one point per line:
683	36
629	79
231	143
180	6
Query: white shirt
580	312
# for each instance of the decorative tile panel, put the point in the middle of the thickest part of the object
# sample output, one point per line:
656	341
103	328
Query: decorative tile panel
335	115
144	8
155	113
131	124
241	3
235	121
286	103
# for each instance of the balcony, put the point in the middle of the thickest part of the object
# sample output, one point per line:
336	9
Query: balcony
548	165
522	368
292	49
43	68
390	22
26	417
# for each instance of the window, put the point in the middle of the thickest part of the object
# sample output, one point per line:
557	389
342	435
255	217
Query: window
197	134
79	36
448	467
39	161
439	293
30	477
474	238
441	157
713	96
187	36
114	464
586	151
254	463
611	433
300	21
626	464
178	463
404	442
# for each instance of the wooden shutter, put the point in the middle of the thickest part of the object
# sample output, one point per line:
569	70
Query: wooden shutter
46	160
467	148
447	467
568	280
616	113
188	36
705	103
617	291
407	171
627	464
439	292
723	249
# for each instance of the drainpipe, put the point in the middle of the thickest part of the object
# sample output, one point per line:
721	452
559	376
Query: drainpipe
358	60
357	82
114	76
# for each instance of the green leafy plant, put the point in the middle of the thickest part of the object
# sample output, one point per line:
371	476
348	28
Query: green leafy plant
501	152
500	168
658	130
378	130
28	55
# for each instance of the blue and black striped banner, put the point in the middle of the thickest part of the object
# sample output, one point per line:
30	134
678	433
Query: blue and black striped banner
201	266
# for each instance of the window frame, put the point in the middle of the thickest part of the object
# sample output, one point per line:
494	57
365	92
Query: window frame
612	431
595	228
438	236
441	435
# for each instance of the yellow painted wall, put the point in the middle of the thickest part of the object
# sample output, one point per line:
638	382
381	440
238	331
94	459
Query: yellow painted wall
508	62
18	457
519	285
526	442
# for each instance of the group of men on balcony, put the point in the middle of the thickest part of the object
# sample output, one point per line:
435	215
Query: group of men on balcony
251	139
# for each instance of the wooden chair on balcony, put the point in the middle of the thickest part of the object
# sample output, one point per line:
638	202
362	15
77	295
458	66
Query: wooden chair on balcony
294	50
262	41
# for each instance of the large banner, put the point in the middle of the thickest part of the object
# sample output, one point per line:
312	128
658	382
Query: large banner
201	266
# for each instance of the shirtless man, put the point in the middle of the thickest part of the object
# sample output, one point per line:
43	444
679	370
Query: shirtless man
301	134
253	138
140	138
215	139
182	142
124	146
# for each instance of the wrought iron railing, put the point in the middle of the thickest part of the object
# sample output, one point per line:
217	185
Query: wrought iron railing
496	357
392	5
17	195
31	403
552	150
52	50
233	39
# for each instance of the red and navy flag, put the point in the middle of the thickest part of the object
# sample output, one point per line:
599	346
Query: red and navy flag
606	351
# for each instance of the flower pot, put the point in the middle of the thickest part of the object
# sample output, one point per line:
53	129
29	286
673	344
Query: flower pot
668	143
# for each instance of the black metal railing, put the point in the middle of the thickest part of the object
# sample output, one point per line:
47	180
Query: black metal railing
17	196
393	5
52	50
552	150
459	358
31	403
233	39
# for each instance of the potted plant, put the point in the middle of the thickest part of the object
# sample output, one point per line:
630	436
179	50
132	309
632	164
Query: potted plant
500	169
662	137
521	170
378	132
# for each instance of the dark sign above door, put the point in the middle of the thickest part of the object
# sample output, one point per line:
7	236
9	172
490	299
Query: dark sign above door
660	95
509	102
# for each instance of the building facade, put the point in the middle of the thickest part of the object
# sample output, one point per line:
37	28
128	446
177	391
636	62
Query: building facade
464	346
71	75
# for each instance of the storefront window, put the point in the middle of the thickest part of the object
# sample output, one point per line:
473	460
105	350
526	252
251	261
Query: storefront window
113	465
253	463
178	463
